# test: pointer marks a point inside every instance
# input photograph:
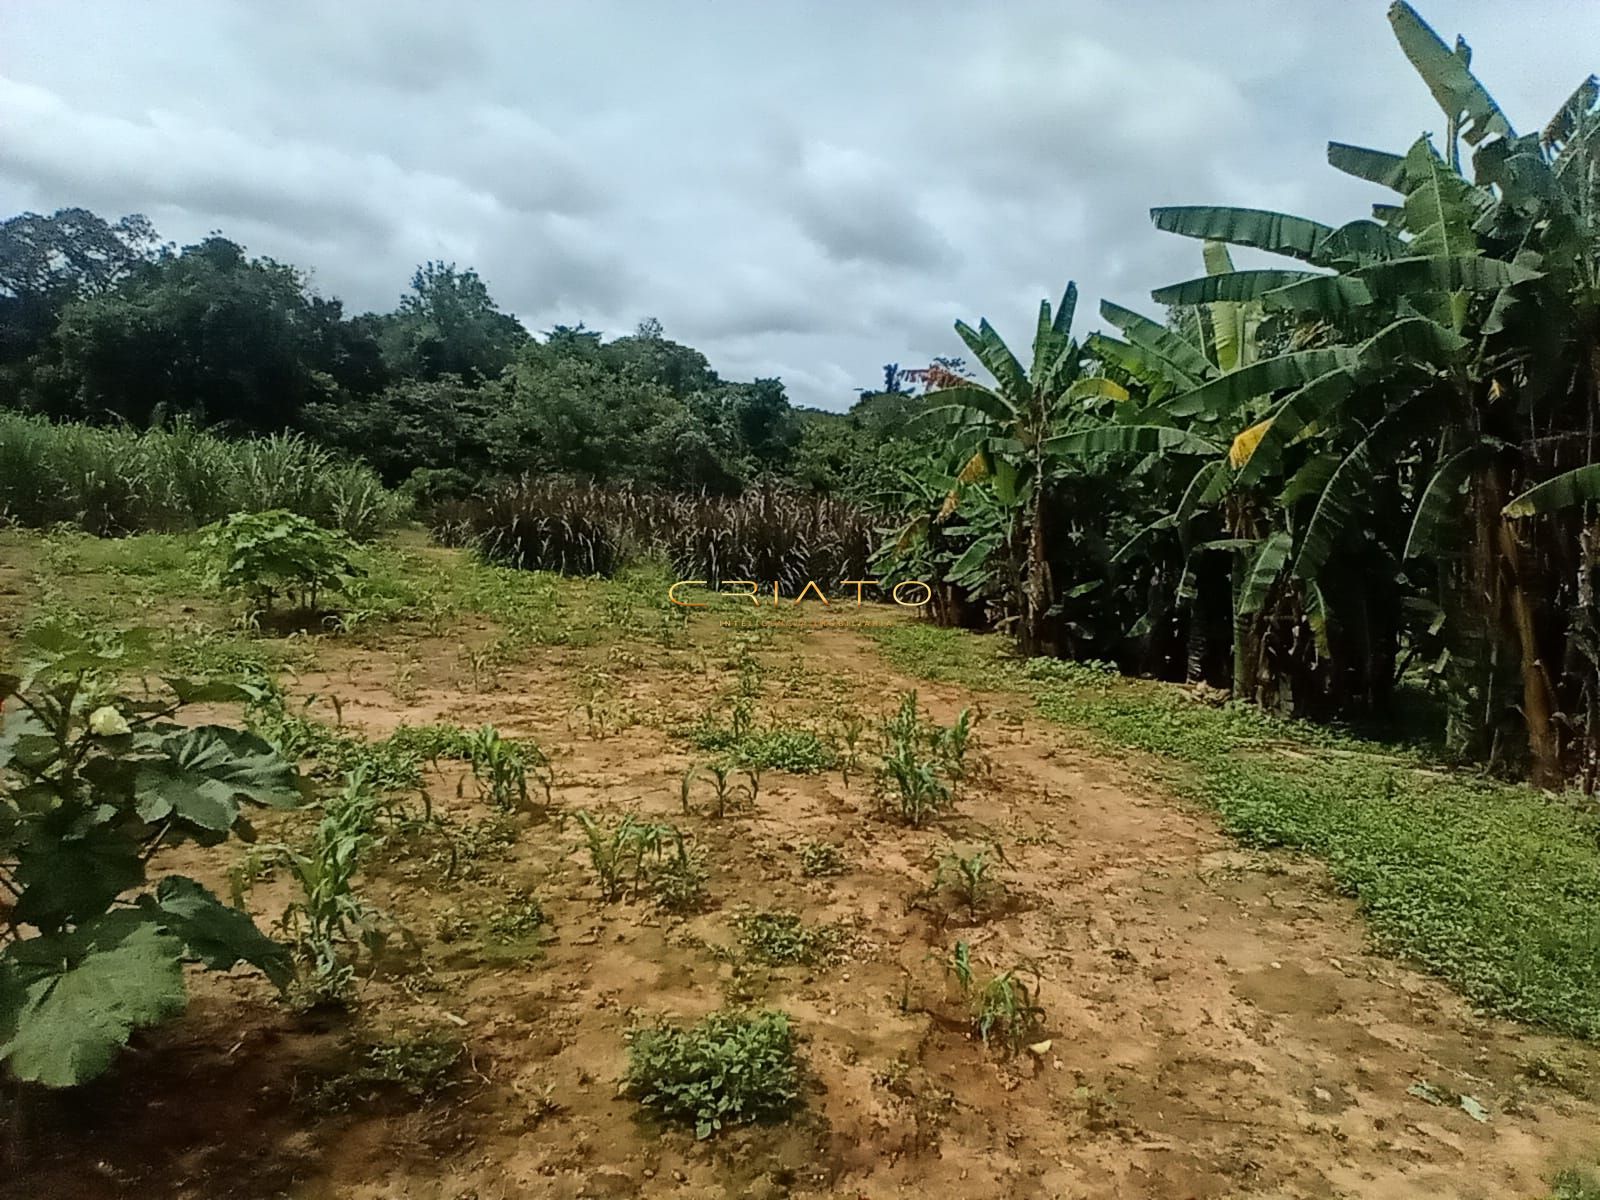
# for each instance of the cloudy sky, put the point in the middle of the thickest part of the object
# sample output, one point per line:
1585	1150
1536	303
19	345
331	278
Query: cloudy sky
807	190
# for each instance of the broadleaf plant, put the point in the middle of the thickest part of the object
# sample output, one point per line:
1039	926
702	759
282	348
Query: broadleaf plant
92	783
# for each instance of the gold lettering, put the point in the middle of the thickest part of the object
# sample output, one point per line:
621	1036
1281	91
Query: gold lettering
672	592
860	583
811	586
754	587
907	583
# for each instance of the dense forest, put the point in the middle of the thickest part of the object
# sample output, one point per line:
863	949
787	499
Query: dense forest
1364	473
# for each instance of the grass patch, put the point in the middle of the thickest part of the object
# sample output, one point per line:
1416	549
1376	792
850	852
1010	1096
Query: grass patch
1494	887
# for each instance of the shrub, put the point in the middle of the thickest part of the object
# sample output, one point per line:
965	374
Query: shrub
729	1069
277	553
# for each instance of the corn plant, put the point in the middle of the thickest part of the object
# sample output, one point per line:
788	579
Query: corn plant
502	769
973	877
328	920
719	777
620	855
913	775
1005	1009
852	727
752	788
678	879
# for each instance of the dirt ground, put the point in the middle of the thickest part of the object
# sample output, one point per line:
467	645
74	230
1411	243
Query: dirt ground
1216	1025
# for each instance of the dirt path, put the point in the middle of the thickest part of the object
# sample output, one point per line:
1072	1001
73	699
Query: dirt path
1217	1027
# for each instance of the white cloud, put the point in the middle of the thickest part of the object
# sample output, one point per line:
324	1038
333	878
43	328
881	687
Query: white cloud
806	191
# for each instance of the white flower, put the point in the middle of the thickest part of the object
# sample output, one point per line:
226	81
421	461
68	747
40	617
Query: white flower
107	722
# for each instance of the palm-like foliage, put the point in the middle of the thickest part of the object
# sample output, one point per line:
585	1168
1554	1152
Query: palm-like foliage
1007	432
1439	384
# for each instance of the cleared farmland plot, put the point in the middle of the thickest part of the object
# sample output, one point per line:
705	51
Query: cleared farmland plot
656	903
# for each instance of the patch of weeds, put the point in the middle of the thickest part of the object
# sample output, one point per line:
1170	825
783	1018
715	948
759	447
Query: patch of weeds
781	939
416	1065
517	920
820	859
1576	1183
728	1069
678	880
797	751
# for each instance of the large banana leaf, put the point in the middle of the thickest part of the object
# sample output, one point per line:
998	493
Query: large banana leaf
1300	407
1264	571
1464	100
1240	285
1339	507
1131	439
1227	392
1438	508
1323	294
1096	387
1437	211
1185	362
1578	486
1375	166
963	401
1203	489
1358	243
1414	338
1440	273
1276	232
1140	364
996	356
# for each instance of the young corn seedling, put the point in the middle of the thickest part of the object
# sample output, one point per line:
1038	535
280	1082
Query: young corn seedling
500	770
851	730
1006	1009
752	788
973	877
953	744
719	777
619	854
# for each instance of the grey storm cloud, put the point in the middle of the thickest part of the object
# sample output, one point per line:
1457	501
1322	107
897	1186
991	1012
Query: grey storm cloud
804	191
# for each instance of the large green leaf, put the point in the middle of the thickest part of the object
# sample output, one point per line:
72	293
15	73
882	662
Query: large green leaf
1439	506
1415	339
1577	486
69	1001
214	933
204	774
1276	232
1227	392
1184	361
1131	439
1464	100
1240	285
1438	211
1203	488
964	401
1339	507
1456	273
1375	166
1264	570
71	878
996	356
1310	402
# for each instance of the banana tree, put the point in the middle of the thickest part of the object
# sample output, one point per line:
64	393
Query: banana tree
1007	427
1444	349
